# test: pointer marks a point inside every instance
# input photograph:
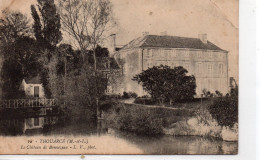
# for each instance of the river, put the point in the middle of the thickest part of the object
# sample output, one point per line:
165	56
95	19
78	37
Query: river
166	145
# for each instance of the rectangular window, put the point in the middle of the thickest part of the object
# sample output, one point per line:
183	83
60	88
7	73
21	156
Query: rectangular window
186	53
210	54
209	84
173	65
210	68
161	52
199	54
174	53
36	122
149	53
220	66
199	67
36	91
187	66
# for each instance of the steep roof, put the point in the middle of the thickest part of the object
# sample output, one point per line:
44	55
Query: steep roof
33	80
166	41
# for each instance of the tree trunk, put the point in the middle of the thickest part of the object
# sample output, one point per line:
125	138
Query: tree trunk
95	75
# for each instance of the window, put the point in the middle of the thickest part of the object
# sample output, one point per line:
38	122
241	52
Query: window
186	53
187	66
199	67
173	64
149	64
36	91
209	84
210	68
161	53
173	53
148	53
199	54
36	122
210	54
220	67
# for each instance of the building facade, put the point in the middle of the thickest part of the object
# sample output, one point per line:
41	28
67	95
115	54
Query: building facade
32	87
206	61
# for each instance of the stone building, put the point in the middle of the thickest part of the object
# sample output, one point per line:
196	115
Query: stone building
32	87
203	59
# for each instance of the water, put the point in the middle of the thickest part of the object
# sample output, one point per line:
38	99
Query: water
168	145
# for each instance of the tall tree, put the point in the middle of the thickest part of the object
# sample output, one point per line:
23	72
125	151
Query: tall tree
47	33
86	22
46	23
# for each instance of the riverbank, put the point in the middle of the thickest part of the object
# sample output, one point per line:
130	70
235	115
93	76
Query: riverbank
191	119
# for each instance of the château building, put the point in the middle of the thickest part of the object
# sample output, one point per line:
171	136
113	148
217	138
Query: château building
203	59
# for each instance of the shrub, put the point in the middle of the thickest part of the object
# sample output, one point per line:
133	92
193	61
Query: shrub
225	110
141	122
166	84
132	94
127	95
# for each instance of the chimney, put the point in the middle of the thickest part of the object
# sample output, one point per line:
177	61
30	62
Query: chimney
203	38
114	41
145	33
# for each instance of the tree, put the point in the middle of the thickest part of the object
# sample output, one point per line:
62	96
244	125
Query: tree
85	21
164	83
46	24
20	61
12	26
47	32
18	51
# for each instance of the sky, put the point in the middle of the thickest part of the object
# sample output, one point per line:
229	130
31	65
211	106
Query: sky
186	18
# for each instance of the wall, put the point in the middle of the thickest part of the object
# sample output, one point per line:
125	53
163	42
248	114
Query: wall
29	89
209	67
132	65
29	123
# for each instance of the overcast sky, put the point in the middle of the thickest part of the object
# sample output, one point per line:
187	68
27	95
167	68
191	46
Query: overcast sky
187	18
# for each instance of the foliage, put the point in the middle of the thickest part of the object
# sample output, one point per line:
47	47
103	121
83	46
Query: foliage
143	119
164	83
129	95
76	87
20	61
46	24
141	122
13	25
47	32
225	109
101	52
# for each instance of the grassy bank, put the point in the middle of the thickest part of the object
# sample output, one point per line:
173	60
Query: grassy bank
190	118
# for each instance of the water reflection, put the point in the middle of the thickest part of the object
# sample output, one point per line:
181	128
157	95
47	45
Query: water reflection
49	125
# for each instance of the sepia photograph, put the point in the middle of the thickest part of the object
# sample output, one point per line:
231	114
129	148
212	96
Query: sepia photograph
152	77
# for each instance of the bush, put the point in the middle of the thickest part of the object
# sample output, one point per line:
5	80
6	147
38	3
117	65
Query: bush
141	122
127	95
166	84
225	110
